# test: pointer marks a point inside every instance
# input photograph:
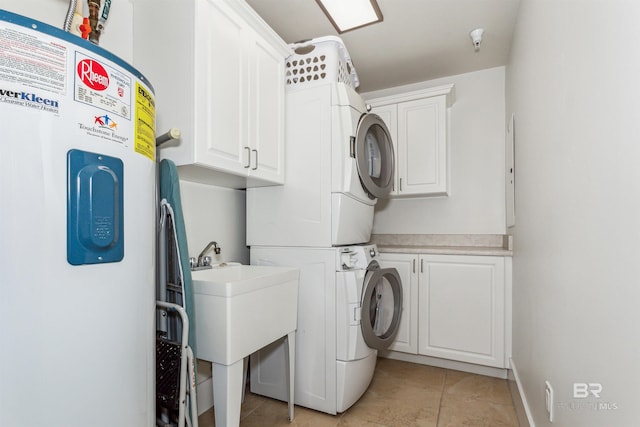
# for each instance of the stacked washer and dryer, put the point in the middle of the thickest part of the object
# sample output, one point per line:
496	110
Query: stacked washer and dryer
339	160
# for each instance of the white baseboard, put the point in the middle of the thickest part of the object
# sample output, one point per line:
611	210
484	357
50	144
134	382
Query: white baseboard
519	398
445	363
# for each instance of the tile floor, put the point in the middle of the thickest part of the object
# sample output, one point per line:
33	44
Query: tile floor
401	394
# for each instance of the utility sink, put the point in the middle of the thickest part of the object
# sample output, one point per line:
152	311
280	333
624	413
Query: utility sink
240	309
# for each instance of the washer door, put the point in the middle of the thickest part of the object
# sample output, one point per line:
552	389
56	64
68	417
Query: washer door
381	306
374	156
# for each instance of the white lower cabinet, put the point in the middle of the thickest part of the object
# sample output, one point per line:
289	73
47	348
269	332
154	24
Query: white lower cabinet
454	306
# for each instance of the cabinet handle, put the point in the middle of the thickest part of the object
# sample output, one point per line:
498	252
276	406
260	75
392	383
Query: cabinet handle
400	184
248	157
256	166
414	265
421	266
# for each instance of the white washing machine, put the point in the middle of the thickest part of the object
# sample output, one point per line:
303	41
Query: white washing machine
339	160
348	308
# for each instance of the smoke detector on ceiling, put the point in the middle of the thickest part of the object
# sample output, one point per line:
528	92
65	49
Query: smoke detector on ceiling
476	38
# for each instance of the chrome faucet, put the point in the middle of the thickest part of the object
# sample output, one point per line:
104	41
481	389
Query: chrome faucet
204	261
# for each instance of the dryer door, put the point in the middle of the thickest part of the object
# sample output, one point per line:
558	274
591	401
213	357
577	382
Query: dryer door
374	156
381	306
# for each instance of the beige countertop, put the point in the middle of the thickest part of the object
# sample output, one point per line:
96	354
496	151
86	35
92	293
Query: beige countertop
445	244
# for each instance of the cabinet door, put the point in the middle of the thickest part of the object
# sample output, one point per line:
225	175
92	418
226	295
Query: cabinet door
266	111
240	97
221	80
315	379
406	264
462	308
389	115
422	147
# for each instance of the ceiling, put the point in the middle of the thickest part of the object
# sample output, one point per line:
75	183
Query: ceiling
418	40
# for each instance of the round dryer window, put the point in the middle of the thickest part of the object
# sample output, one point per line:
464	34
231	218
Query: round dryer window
374	155
381	306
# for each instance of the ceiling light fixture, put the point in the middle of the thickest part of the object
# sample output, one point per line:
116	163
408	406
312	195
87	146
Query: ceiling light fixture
347	15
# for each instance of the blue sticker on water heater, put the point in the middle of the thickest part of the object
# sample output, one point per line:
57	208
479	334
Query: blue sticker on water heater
95	228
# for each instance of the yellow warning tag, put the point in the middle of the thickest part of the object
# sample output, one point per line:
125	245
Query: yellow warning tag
145	122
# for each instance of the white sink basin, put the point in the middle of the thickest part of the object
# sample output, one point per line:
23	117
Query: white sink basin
242	308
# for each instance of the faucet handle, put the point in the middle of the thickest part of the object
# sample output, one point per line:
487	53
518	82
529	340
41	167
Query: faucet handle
206	261
193	262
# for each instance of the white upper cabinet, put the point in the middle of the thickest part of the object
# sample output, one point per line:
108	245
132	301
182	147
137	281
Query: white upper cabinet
218	72
422	147
418	122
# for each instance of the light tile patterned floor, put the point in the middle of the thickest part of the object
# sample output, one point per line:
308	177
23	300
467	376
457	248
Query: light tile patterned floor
401	394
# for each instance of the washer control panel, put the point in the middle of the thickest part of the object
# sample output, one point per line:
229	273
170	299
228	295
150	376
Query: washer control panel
356	257
348	260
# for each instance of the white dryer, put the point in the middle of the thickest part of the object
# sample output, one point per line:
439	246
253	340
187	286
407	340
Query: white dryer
348	308
339	160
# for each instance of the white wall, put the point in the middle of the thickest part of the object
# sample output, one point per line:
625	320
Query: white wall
215	213
573	82
476	202
118	32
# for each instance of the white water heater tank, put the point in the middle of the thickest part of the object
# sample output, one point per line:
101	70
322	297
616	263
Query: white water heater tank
77	232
